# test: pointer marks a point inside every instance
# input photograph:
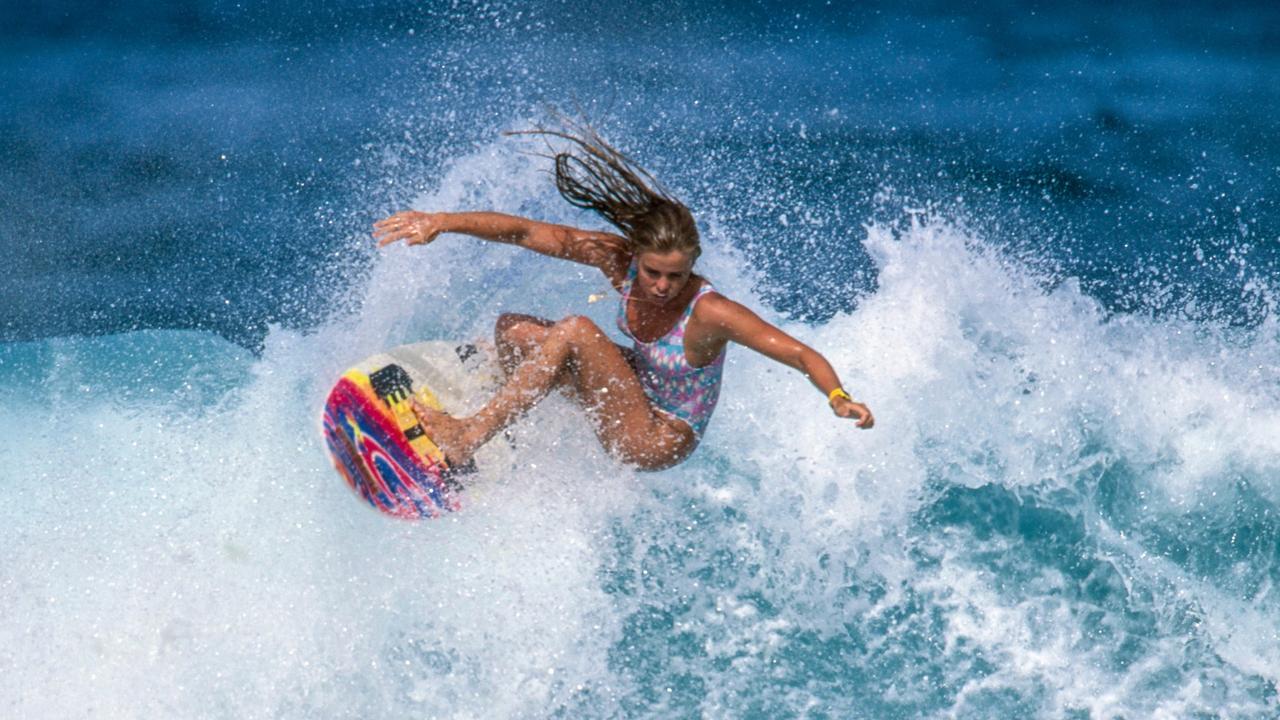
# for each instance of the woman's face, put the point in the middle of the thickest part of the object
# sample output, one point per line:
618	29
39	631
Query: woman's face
662	275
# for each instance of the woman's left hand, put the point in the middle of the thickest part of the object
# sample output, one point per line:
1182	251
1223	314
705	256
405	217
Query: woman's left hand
847	408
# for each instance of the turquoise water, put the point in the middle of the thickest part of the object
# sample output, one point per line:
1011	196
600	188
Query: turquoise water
1040	246
1059	514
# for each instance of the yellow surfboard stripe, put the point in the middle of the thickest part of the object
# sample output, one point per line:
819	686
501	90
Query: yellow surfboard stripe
402	410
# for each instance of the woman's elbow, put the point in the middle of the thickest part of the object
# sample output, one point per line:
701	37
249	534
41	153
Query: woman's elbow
807	360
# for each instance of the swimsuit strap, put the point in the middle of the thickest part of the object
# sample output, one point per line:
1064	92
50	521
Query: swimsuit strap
621	320
677	329
675	387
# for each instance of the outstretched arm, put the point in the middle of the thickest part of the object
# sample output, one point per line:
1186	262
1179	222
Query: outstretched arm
729	320
606	251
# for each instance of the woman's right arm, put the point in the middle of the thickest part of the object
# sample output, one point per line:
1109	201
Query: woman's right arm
606	251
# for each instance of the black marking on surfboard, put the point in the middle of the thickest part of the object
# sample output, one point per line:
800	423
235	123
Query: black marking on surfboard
466	351
392	384
453	474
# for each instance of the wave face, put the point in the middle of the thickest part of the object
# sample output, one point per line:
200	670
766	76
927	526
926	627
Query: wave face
1046	258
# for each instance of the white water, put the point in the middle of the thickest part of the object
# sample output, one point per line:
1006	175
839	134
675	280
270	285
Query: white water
177	544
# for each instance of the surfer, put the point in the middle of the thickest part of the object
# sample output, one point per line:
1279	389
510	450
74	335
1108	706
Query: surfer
648	404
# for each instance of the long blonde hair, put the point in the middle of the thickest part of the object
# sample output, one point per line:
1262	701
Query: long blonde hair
592	175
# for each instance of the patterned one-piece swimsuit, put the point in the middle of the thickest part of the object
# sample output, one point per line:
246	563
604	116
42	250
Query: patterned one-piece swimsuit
675	387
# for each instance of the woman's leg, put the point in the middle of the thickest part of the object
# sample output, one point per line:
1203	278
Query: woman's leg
576	354
517	337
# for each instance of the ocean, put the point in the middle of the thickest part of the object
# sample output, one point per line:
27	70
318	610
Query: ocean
1041	241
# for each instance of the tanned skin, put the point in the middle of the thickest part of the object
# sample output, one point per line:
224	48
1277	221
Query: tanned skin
575	356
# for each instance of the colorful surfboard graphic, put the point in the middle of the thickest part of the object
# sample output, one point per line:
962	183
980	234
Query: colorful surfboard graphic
381	450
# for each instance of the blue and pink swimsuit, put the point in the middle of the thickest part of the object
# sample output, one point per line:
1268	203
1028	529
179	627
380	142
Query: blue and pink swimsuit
675	387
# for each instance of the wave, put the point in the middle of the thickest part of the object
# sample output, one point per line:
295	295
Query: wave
1061	510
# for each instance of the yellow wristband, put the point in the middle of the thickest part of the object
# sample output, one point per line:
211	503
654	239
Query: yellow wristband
838	392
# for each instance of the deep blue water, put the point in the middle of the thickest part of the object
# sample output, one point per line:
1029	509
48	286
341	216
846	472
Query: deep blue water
1041	240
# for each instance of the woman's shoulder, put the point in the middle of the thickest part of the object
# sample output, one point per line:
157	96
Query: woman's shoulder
621	269
712	307
608	252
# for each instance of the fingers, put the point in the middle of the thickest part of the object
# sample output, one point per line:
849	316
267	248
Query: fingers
389	230
393	222
408	225
399	218
863	413
389	236
856	411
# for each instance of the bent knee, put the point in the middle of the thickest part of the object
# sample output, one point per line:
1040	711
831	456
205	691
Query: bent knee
580	327
506	321
509	321
519	328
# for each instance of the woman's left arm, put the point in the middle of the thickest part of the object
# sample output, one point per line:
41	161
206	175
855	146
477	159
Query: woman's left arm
728	320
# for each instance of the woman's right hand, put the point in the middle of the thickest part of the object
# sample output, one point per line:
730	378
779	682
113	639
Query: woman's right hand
415	228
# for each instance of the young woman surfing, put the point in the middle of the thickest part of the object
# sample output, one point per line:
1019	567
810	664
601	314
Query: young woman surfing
648	404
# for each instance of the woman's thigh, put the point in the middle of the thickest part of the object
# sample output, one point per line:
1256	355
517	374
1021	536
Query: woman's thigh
605	383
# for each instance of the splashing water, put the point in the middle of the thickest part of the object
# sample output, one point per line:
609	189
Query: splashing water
1062	512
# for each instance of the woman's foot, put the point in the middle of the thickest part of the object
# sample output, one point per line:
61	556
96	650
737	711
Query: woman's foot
447	432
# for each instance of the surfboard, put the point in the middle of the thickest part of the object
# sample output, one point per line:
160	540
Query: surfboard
376	442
